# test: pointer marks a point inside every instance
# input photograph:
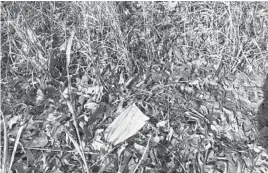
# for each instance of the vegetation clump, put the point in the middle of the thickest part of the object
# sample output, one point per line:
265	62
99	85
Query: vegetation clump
134	87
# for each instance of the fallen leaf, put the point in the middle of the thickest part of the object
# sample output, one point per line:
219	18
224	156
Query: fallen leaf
161	124
39	96
53	116
93	90
91	106
38	142
13	121
29	155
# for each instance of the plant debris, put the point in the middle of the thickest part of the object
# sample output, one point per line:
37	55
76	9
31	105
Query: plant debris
134	87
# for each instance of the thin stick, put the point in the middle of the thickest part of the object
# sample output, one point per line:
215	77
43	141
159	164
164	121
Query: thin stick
70	102
53	150
143	155
5	144
15	147
78	148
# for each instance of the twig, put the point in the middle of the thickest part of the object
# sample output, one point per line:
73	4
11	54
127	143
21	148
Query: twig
79	150
143	155
5	144
70	102
15	147
103	157
54	150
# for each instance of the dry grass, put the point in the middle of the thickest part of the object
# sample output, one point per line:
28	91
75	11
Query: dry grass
195	68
